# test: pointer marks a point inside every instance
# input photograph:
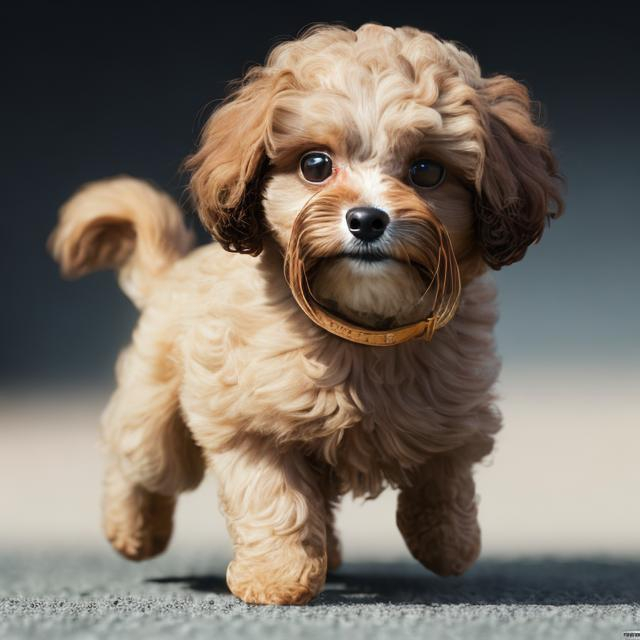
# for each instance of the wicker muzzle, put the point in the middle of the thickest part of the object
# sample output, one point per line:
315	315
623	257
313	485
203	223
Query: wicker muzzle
445	278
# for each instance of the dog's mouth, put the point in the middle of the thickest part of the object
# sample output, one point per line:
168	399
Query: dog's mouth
367	256
372	289
364	257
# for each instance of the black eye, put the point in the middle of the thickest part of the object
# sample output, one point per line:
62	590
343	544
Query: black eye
316	166
426	174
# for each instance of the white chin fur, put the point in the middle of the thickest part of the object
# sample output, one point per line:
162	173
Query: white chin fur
378	295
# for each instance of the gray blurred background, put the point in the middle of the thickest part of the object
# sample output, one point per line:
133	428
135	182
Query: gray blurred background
94	89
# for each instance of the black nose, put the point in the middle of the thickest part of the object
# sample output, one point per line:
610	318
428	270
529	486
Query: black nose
367	223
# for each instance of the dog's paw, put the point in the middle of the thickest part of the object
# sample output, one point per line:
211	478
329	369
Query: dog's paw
139	526
281	585
449	558
136	544
445	541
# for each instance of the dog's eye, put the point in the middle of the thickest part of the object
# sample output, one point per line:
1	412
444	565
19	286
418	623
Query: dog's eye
316	166
426	174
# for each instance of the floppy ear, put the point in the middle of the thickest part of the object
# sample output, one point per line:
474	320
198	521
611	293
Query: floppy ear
520	185
231	162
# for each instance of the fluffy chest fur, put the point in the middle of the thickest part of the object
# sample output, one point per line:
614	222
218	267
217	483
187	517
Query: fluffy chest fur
255	366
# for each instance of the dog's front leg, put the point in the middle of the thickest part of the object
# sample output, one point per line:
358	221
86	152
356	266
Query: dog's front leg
437	515
276	517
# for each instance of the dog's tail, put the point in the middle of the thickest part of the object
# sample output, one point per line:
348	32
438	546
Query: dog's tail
124	224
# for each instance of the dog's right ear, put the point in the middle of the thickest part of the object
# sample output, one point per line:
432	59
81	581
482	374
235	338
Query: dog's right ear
521	186
228	168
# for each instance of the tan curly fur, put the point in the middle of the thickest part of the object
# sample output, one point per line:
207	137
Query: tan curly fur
226	373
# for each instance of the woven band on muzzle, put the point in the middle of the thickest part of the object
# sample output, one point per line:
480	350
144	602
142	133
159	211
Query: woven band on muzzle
445	279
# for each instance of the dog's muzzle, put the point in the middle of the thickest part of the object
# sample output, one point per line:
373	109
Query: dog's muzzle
433	254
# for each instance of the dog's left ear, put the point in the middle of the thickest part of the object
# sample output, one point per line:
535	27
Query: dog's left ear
228	168
520	185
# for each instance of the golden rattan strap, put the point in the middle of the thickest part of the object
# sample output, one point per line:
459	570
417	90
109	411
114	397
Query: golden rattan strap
387	338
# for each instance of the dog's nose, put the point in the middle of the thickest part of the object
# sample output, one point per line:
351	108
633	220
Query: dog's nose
367	223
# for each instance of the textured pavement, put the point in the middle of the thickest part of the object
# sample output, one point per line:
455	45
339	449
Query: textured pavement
98	595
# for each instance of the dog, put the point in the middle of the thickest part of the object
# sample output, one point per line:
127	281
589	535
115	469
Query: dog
338	336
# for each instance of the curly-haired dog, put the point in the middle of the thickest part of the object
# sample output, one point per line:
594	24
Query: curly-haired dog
371	176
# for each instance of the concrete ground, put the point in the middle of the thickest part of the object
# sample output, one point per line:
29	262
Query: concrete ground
561	535
95	595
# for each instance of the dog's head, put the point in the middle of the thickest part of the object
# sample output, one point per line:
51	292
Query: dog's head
389	171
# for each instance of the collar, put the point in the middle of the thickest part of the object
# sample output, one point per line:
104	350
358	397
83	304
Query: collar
346	330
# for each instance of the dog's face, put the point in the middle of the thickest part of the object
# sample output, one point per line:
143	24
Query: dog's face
386	168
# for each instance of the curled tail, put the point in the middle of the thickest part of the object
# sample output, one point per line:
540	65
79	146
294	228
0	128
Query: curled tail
124	224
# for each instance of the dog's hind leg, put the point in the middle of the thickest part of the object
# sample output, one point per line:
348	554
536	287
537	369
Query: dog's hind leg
151	455
331	495
437	515
137	522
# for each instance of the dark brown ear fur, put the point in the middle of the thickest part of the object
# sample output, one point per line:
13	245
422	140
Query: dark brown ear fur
520	183
231	162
